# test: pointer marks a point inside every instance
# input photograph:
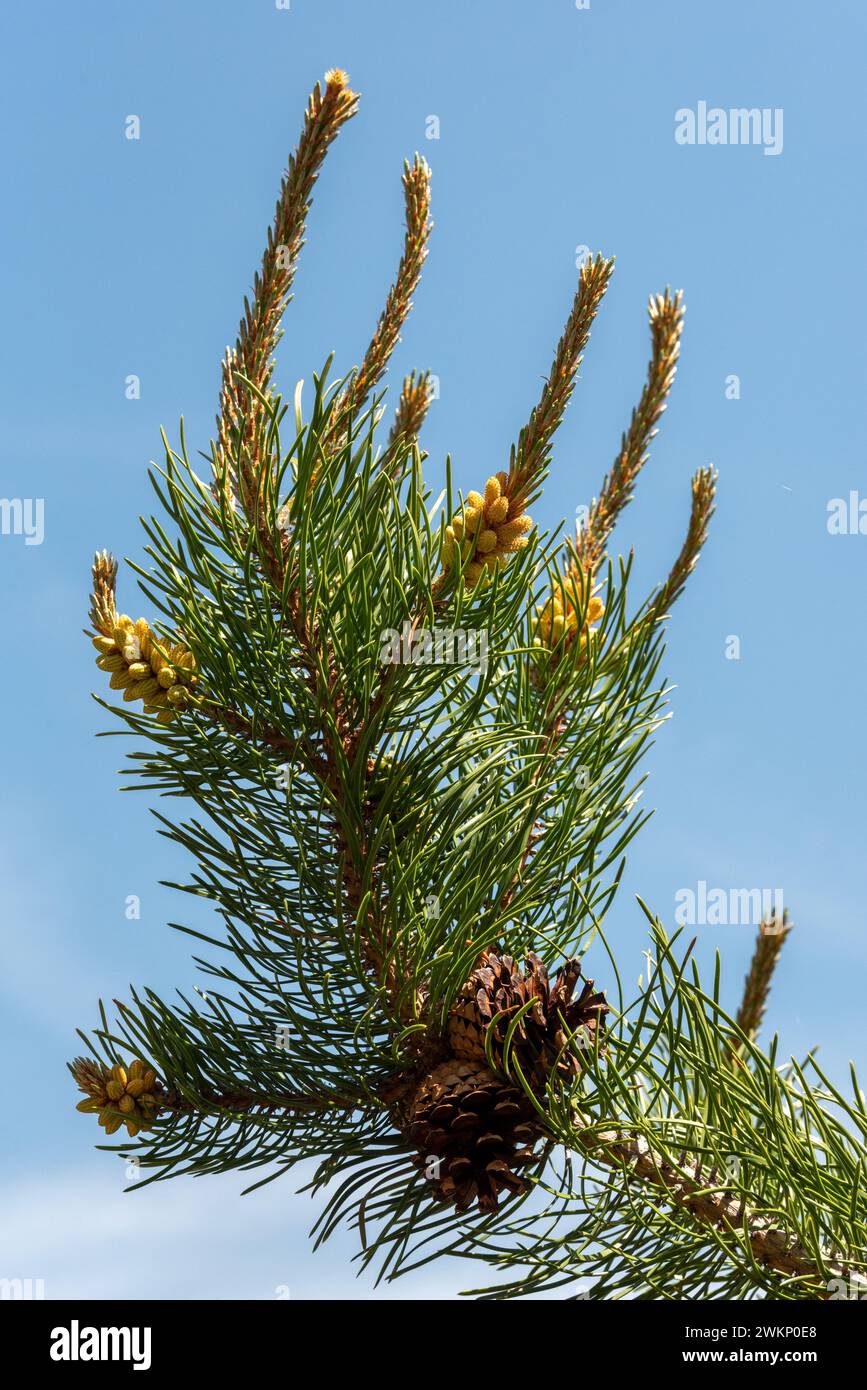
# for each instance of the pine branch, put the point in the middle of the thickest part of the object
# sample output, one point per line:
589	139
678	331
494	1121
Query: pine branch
757	985
530	456
688	1188
666	326
701	511
552	732
416	187
412	408
710	1183
104	618
247	369
432	825
263	735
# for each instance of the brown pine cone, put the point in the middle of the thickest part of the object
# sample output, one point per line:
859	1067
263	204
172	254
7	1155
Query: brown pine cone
472	1132
541	1043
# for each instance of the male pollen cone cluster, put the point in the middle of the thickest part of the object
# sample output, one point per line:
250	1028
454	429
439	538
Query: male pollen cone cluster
145	670
569	613
140	665
474	1130
119	1095
485	530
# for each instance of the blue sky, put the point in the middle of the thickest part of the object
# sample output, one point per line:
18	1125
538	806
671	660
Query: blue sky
556	131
